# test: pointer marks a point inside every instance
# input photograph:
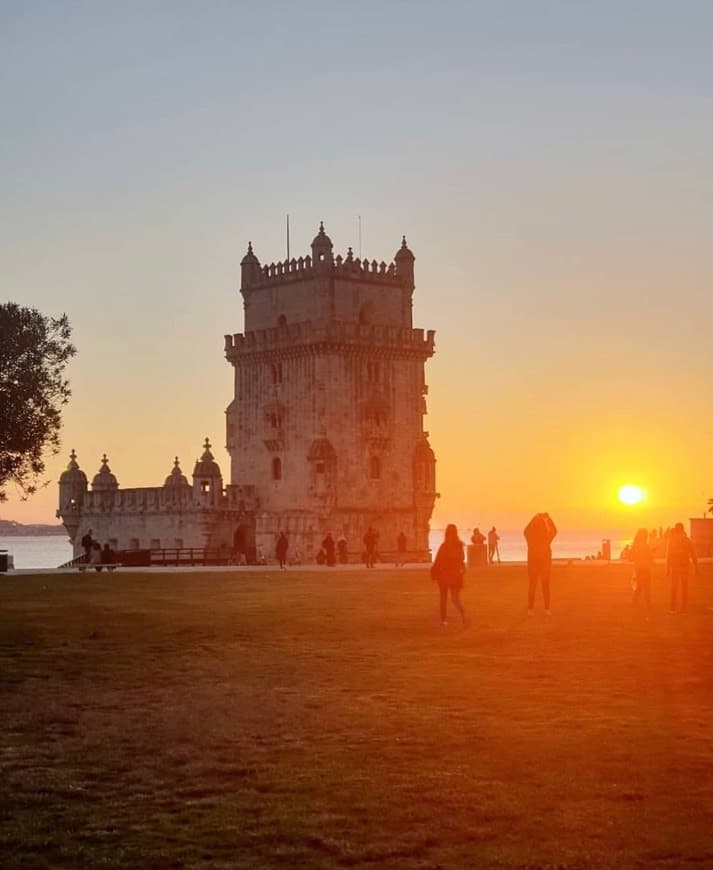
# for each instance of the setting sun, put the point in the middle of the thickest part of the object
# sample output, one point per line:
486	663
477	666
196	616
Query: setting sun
631	494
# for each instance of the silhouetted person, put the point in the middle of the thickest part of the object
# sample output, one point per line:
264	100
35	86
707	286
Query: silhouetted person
642	555
281	549
539	534
400	550
493	538
107	555
329	548
87	542
95	556
679	555
480	554
447	570
342	550
370	539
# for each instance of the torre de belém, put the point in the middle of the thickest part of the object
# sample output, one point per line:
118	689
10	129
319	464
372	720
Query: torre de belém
325	430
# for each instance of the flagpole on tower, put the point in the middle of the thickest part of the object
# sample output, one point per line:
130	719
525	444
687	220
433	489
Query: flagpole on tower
288	237
359	220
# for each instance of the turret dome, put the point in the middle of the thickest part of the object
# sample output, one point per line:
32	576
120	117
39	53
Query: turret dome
322	240
404	260
73	473
250	259
206	466
104	479
404	253
176	477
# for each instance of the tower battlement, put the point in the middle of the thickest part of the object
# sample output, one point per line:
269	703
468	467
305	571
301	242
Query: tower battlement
322	262
385	338
349	268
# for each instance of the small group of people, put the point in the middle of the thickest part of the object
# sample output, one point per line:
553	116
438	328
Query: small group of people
478	540
680	556
331	551
448	567
95	554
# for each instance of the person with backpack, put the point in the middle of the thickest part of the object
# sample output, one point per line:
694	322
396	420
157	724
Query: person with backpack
539	534
448	570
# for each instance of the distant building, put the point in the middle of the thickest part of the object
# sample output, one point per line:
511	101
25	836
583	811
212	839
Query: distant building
702	535
324	432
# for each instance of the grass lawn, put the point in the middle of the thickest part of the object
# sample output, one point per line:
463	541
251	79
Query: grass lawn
305	719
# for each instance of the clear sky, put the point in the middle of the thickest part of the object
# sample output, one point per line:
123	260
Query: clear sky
549	163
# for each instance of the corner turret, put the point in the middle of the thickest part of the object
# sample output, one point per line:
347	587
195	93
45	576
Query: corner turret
72	489
250	272
322	257
404	260
207	479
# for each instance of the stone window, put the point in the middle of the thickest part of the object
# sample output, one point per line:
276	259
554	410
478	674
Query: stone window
205	486
319	468
373	373
155	543
276	468
134	544
375	468
178	543
282	320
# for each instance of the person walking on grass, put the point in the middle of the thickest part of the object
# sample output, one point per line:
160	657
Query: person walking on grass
447	570
679	555
642	555
539	534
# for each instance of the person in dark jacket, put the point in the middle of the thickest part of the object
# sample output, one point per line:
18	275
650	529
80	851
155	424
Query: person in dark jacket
330	549
447	570
281	549
679	555
370	539
539	534
87	542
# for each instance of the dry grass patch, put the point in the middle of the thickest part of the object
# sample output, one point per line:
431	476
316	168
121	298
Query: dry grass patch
254	719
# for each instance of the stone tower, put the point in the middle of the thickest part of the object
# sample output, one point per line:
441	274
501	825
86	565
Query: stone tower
326	423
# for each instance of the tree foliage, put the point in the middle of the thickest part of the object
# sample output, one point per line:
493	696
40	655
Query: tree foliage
34	351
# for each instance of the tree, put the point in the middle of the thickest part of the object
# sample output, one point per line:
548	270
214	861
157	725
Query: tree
34	351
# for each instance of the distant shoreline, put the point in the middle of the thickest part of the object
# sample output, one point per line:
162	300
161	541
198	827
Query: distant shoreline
11	529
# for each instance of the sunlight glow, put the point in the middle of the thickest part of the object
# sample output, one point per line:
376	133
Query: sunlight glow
631	494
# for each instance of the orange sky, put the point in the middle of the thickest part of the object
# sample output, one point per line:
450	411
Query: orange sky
559	209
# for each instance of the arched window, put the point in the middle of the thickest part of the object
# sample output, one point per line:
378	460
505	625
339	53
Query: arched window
276	468
282	320
375	468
